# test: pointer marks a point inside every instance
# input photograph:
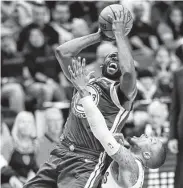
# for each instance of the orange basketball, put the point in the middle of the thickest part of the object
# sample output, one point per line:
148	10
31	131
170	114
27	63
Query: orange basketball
106	25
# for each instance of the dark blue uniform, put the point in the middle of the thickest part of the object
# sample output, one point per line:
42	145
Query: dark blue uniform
80	160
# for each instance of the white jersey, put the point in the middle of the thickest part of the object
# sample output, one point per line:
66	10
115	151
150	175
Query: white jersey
110	182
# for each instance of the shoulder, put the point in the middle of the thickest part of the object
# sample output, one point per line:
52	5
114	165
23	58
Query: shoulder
104	84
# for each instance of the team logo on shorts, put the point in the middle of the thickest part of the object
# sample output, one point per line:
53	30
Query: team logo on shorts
77	107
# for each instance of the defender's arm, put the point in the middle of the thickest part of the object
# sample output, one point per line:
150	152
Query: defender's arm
68	50
99	128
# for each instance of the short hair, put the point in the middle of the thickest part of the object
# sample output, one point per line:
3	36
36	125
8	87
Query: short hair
158	158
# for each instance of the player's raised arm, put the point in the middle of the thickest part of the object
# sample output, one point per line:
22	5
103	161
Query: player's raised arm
70	49
126	62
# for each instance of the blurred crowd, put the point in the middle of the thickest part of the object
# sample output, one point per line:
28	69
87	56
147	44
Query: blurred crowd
34	88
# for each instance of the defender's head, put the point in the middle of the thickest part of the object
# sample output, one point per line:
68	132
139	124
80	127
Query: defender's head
110	67
149	149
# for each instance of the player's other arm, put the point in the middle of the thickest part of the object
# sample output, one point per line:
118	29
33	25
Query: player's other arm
70	49
126	62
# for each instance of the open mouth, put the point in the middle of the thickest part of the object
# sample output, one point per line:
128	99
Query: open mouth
113	66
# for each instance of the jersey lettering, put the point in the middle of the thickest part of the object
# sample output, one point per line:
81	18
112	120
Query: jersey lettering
95	91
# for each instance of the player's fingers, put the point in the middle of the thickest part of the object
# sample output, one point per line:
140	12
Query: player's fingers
83	65
74	65
79	65
71	72
110	18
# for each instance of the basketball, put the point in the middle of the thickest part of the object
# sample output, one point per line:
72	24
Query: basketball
106	25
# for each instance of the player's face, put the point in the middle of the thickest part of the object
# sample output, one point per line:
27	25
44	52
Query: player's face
110	68
143	141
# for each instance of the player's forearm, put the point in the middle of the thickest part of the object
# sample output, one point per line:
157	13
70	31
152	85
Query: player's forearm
126	63
73	47
98	126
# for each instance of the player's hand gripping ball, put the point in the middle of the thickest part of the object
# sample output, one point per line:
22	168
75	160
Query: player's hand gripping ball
105	23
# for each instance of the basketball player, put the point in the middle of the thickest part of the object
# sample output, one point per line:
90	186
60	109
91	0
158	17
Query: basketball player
80	160
127	168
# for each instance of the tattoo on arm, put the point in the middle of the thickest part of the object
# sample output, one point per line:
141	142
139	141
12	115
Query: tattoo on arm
126	161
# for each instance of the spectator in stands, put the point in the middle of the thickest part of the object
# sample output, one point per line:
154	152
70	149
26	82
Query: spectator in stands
25	145
170	30
162	69
142	36
176	128
39	14
54	127
175	22
41	83
158	126
102	51
60	21
146	85
162	59
140	119
164	85
6	140
86	11
16	15
9	177
80	27
11	87
159	12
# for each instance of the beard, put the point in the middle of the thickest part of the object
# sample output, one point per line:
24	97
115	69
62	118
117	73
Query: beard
115	76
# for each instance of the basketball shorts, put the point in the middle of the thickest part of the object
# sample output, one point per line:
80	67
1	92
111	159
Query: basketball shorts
69	167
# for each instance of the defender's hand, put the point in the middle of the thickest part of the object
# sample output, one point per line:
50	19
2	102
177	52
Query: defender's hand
118	23
79	75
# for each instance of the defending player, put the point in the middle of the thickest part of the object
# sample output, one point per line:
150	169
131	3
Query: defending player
80	160
127	168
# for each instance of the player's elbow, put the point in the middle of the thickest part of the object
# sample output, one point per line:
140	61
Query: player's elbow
128	76
61	52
